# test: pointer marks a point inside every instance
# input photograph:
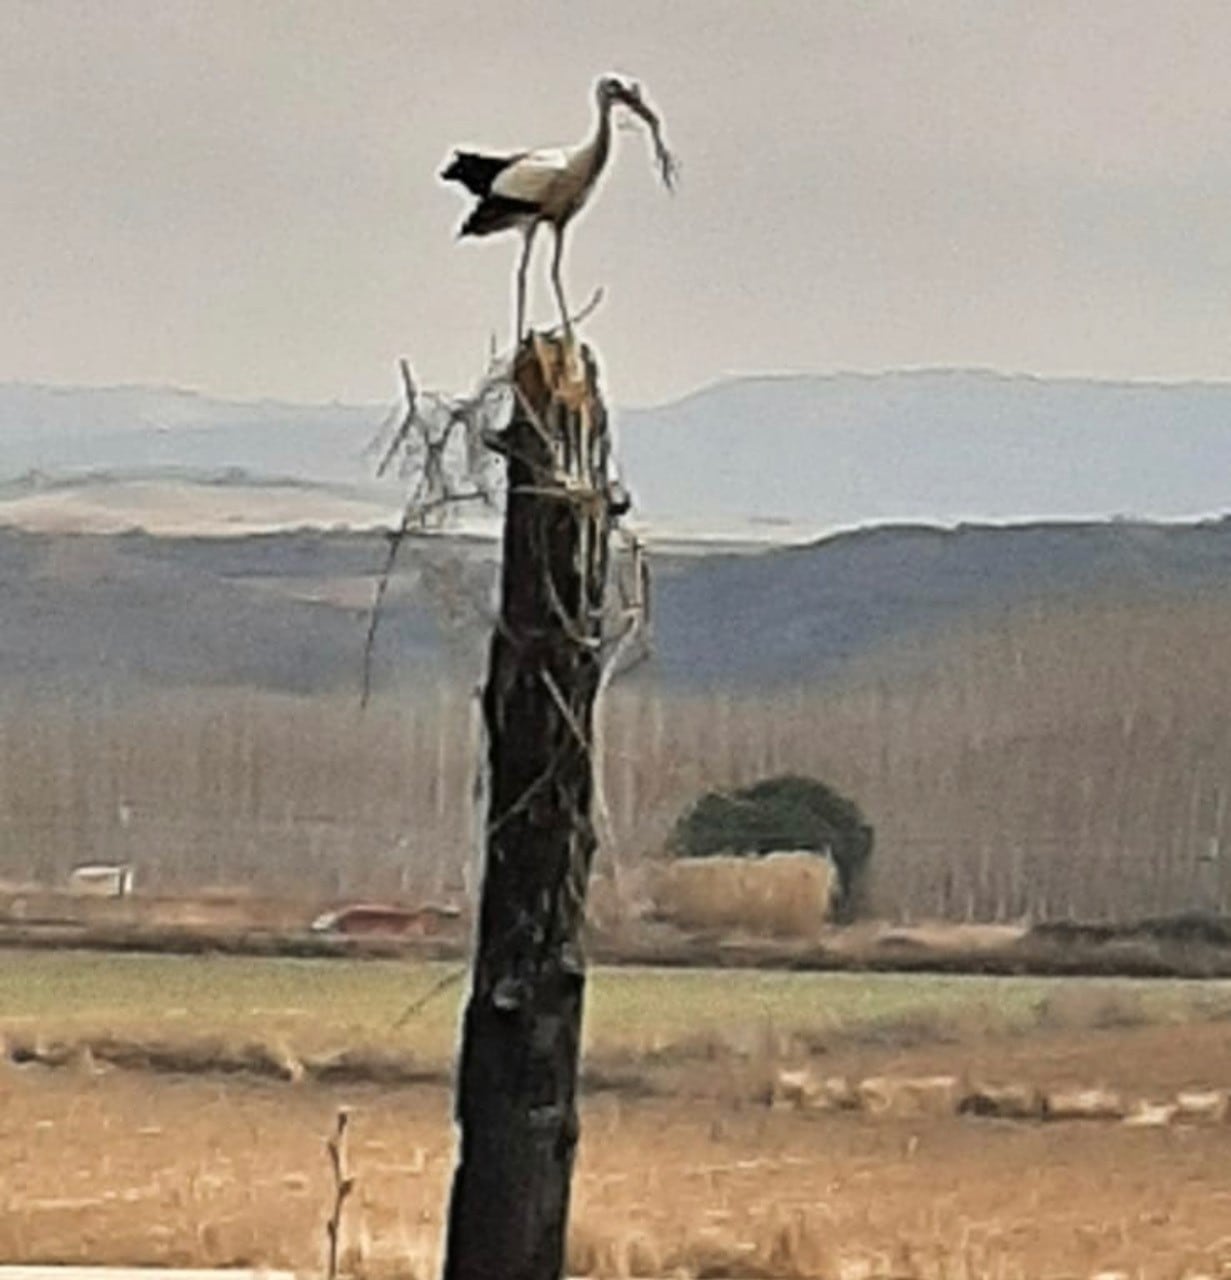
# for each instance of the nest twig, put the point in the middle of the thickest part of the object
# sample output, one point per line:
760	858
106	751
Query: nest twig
668	165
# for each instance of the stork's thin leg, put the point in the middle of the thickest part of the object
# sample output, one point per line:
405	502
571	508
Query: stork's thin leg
528	237
556	259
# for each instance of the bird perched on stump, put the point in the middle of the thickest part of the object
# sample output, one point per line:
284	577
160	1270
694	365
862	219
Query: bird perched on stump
523	190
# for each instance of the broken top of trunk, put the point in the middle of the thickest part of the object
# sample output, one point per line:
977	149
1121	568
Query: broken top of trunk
516	1107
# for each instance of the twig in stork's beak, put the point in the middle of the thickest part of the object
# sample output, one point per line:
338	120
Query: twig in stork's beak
668	166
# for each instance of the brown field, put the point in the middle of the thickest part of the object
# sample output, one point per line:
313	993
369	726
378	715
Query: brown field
109	1166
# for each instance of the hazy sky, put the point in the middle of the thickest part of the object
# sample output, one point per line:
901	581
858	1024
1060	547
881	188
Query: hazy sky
240	195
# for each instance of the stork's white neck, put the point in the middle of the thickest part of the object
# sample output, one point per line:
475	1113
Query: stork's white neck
599	145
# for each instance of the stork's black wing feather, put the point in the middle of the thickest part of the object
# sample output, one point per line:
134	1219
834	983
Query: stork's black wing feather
497	213
477	172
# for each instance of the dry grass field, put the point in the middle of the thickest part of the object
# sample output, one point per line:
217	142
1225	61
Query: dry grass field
684	1171
112	1168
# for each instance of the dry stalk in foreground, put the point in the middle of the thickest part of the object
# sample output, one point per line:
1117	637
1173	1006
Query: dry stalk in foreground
343	1185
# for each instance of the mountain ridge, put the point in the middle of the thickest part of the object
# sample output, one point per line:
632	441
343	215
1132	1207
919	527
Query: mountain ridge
923	372
288	611
817	451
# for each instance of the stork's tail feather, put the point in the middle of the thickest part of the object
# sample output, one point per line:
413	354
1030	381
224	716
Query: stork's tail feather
497	213
476	172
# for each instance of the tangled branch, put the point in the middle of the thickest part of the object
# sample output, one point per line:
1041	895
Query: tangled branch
441	447
449	450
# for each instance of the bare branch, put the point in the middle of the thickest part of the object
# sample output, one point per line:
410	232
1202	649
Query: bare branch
443	447
382	587
591	306
566	712
437	988
408	420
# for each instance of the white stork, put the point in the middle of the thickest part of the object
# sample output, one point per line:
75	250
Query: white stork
527	188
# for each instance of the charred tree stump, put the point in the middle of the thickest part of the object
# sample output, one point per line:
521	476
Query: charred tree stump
517	1083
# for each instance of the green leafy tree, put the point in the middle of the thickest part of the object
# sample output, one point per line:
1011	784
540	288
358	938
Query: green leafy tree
786	812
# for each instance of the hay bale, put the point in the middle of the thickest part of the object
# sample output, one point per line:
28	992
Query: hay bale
1004	1102
1085	1104
909	1095
785	895
1201	1106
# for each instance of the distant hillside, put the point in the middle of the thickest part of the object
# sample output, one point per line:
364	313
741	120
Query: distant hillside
793	614
73	429
180	501
786	455
288	611
937	446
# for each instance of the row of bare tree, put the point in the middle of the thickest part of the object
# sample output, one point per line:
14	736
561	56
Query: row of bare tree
1073	762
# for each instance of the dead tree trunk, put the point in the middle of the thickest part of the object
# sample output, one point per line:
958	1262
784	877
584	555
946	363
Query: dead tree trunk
516	1106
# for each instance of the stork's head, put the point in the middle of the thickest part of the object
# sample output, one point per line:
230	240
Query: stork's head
612	90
